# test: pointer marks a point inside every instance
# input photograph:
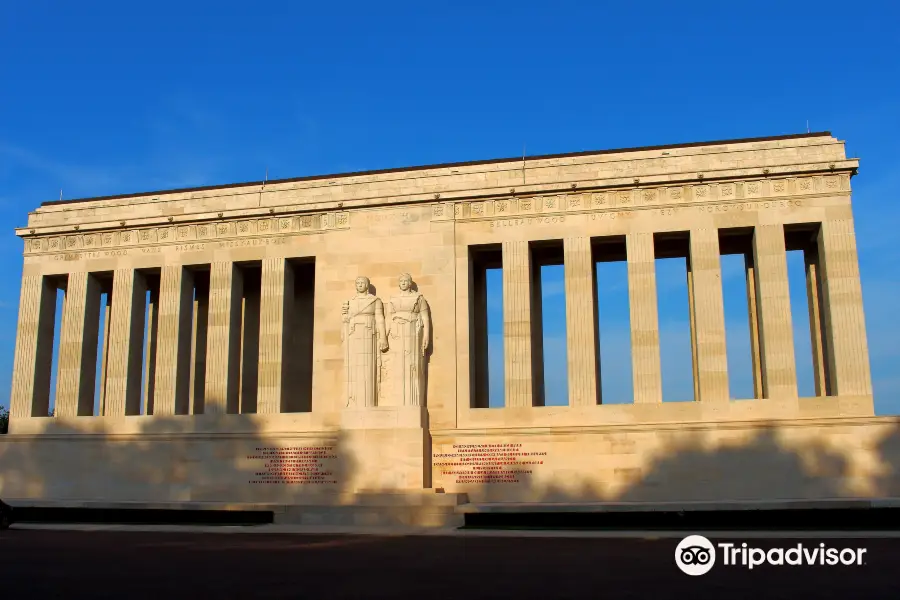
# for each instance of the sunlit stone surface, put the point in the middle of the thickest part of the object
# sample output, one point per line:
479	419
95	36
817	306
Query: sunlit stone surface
289	362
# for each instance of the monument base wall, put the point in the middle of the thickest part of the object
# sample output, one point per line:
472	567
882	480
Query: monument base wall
734	461
749	461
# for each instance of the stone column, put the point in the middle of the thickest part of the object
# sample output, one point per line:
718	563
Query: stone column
78	347
750	273
150	350
275	325
816	322
646	369
581	322
173	349
223	342
126	339
107	311
695	374
517	324
773	303
846	346
30	395
249	359
199	321
708	331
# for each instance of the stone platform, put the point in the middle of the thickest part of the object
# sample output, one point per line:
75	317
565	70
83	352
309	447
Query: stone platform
365	510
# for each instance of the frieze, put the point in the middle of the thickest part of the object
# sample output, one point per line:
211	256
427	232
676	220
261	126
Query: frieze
183	237
664	211
702	194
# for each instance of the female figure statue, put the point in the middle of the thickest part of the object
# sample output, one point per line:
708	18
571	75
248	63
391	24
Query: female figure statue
364	340
410	332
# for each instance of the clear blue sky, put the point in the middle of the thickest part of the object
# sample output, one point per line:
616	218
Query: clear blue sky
103	97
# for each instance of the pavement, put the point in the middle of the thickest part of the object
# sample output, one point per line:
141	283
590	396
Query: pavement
394	531
270	561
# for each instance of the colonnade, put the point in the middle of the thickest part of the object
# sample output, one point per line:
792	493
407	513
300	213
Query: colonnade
840	353
213	344
233	337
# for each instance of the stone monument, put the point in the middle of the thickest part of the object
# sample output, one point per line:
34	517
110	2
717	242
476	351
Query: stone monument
208	351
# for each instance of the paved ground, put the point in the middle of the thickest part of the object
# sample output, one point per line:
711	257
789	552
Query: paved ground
37	563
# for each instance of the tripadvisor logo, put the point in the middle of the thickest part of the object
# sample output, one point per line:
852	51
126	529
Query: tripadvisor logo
696	555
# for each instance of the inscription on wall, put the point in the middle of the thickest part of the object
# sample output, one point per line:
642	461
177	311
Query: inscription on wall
489	463
273	241
294	465
528	221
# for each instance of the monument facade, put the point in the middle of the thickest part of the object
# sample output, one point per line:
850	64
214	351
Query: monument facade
271	342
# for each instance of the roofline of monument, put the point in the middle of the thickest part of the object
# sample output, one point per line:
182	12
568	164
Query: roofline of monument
442	165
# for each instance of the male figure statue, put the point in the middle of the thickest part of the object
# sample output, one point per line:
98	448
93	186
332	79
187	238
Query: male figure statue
364	340
410	331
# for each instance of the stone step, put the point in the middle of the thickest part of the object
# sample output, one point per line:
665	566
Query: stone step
729	505
423	508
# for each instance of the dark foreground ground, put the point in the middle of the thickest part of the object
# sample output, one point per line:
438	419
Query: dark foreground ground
116	564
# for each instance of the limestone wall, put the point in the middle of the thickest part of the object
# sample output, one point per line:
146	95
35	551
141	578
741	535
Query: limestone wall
678	462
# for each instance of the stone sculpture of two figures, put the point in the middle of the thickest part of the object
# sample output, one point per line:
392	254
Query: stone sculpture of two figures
403	337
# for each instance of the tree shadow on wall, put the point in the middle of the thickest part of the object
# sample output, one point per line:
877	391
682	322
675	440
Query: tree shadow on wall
773	464
218	459
207	459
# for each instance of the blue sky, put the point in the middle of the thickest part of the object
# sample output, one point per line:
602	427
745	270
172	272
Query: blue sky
104	97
